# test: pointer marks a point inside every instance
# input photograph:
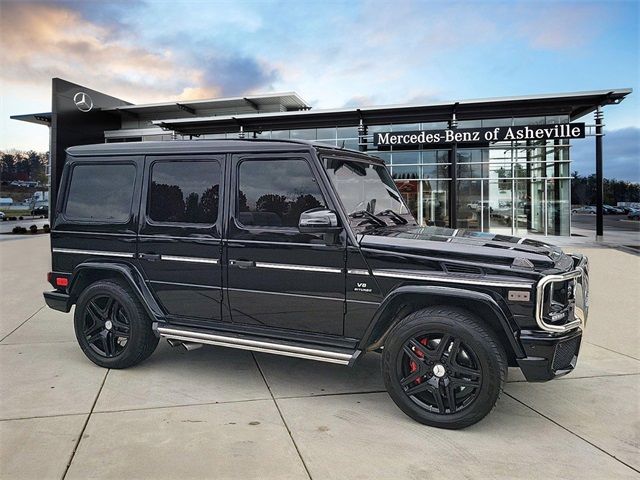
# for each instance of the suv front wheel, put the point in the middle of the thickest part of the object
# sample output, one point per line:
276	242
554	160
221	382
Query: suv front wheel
443	367
112	327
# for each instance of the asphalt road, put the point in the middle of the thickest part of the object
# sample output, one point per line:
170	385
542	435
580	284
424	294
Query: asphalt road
611	222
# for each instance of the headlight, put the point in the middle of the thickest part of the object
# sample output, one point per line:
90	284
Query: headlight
558	297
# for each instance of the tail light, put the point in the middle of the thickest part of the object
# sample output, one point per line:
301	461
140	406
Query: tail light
59	281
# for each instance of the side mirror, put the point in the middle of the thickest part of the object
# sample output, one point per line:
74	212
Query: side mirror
319	220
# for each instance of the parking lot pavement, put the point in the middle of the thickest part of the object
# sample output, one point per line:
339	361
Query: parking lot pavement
220	413
23	265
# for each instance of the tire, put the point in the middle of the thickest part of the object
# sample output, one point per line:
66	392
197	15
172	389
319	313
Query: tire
112	327
422	378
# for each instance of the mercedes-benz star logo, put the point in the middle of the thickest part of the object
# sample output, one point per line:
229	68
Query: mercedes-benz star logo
83	101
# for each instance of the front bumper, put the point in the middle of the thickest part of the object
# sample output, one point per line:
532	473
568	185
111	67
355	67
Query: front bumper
553	350
58	301
549	355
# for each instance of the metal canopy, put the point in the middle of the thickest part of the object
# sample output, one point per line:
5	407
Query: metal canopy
38	118
575	105
270	102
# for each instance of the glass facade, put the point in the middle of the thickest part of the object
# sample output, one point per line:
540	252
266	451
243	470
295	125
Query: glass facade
512	187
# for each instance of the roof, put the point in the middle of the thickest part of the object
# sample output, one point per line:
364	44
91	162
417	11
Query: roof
269	102
576	105
39	118
200	146
289	110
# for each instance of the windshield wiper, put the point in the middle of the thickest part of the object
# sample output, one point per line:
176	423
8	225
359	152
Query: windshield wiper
369	216
400	219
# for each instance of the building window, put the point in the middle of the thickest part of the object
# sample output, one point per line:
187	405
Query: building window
101	193
273	193
184	192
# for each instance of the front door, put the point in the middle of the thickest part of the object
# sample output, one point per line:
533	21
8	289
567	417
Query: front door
180	241
277	276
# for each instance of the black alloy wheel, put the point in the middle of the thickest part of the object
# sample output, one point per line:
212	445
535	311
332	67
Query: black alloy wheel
439	373
112	327
106	326
443	367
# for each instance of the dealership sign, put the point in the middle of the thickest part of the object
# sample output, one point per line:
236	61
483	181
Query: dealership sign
478	135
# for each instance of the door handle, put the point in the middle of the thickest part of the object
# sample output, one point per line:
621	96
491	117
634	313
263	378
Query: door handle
242	263
152	257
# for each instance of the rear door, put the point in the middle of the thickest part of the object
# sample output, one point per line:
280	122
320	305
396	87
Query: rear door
180	241
277	276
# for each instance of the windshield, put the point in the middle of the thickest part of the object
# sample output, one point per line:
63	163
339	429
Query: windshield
364	186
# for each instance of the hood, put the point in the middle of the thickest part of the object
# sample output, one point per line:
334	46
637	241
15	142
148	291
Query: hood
464	245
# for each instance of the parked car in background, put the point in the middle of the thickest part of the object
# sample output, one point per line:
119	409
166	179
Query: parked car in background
588	209
611	210
41	210
634	214
2	215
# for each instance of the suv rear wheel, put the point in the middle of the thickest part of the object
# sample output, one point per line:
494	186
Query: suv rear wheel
443	367
112	327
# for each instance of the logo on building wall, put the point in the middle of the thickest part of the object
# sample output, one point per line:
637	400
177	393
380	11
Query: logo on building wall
83	101
479	135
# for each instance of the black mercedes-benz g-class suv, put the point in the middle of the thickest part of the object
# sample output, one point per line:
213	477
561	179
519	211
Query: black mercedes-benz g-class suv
308	251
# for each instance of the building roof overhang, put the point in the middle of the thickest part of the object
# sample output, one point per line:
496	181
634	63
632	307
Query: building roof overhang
294	112
575	105
39	118
279	101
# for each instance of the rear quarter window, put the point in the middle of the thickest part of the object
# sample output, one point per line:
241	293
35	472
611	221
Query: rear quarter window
101	193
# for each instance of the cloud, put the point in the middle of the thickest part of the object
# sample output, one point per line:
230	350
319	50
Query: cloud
621	154
237	75
560	26
39	41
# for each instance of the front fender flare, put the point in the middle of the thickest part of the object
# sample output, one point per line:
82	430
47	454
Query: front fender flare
383	320
127	272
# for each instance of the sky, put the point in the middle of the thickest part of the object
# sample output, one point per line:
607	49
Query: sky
333	53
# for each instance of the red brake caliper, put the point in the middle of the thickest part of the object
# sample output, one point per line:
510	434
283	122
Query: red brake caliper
412	365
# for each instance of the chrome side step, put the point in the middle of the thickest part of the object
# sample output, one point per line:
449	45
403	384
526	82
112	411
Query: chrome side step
244	343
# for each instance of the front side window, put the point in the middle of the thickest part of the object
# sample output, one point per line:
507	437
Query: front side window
273	193
364	186
101	192
184	192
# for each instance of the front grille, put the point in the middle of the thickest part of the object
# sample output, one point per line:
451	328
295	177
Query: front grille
564	354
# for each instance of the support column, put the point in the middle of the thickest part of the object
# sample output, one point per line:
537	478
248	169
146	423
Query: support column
453	174
241	132
362	137
453	189
599	176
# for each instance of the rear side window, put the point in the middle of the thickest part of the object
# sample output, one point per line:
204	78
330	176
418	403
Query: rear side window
273	193
101	192
185	192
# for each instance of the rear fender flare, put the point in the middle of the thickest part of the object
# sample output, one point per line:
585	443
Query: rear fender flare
387	314
127	272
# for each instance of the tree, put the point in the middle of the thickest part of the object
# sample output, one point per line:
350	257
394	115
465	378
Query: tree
273	203
583	190
167	203
209	203
191	210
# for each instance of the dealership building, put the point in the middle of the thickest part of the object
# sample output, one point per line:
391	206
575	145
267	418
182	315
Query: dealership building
499	165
